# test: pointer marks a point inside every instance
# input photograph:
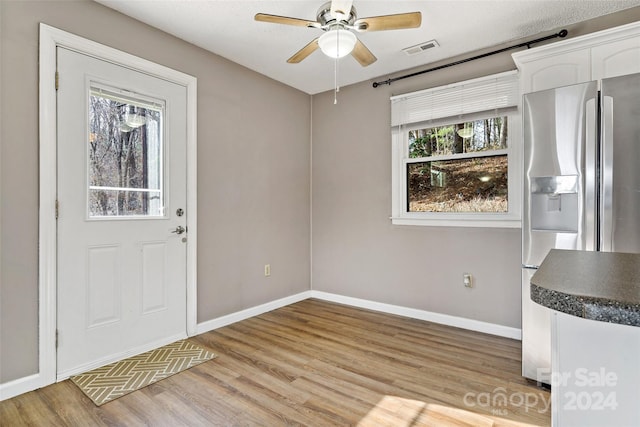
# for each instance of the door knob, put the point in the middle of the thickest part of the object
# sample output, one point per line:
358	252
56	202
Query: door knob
179	230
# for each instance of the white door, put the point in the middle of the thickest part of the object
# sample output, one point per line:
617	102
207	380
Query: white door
121	219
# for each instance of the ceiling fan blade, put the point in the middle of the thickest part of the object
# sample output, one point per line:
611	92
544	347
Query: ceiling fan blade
341	9
389	22
362	54
275	19
304	52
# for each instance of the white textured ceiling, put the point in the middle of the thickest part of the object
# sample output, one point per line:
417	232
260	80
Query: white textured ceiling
227	28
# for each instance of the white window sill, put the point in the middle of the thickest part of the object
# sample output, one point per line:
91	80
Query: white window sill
459	220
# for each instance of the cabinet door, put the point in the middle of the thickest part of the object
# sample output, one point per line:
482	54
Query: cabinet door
556	71
616	59
595	372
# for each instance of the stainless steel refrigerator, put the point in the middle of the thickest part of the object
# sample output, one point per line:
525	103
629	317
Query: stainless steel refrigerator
582	187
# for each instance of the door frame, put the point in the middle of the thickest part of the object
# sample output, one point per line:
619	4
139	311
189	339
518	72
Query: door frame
50	39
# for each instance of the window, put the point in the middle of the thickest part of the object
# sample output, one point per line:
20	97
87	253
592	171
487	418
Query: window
456	154
459	168
125	177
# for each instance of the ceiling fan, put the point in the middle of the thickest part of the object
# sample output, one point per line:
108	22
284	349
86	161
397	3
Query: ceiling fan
337	19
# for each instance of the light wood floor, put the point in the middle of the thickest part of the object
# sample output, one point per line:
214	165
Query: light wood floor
316	363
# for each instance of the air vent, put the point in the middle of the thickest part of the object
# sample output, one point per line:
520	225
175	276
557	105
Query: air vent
414	50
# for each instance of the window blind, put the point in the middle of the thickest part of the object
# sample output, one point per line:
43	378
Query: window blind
495	92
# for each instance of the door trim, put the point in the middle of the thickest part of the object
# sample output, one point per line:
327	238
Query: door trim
50	39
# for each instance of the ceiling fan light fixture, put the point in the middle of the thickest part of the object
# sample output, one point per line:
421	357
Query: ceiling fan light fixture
337	43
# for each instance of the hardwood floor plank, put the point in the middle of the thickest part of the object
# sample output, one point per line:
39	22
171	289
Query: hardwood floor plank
286	371
141	409
332	403
396	342
317	363
373	321
205	392
28	410
69	403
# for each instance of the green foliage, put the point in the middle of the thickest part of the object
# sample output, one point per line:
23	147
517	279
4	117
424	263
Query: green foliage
429	142
486	134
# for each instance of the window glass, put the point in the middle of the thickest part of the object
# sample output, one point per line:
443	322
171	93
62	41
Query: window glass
461	167
467	137
467	185
125	176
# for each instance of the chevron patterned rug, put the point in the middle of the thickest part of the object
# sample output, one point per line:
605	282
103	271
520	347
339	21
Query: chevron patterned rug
109	382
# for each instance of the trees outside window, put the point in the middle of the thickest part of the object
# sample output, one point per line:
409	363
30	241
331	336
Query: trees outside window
474	176
124	157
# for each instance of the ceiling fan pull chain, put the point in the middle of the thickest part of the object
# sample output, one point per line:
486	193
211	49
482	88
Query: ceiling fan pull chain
335	72
335	82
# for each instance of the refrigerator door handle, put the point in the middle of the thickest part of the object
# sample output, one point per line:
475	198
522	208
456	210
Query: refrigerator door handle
590	227
606	173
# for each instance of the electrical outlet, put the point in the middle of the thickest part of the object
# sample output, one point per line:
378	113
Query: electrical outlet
467	280
267	270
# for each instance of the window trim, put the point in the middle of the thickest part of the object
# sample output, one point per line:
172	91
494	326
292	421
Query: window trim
457	156
400	159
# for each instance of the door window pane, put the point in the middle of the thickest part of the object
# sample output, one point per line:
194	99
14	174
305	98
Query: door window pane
125	156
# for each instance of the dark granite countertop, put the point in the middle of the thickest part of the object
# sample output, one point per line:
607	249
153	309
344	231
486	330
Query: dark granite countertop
602	286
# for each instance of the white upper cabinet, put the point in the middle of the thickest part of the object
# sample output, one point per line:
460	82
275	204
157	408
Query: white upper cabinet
616	59
560	69
608	53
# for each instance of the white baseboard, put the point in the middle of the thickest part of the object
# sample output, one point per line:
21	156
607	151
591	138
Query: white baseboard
219	322
21	385
35	381
445	319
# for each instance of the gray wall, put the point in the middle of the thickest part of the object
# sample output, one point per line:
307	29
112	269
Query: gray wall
253	171
358	253
253	187
356	250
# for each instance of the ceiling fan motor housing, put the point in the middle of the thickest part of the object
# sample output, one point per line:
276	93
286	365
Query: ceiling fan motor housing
327	21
